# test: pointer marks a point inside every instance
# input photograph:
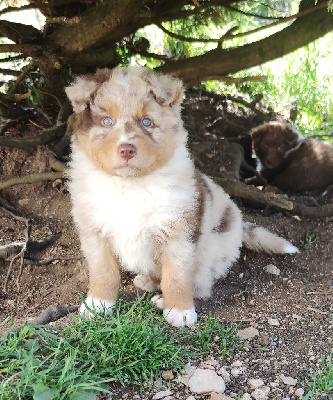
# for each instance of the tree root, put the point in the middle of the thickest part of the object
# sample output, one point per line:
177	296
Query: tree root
33	178
48	136
51	314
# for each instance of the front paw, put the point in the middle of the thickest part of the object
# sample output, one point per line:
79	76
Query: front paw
180	317
91	306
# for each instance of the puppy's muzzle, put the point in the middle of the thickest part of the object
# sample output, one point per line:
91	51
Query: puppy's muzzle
127	151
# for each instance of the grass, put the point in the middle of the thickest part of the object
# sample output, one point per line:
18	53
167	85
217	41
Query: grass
79	361
320	382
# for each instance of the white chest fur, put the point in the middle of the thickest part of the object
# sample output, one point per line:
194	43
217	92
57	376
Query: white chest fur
134	213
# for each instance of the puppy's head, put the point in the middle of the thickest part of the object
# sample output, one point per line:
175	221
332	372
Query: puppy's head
272	142
128	119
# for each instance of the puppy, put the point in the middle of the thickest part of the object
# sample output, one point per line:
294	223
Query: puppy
138	201
290	162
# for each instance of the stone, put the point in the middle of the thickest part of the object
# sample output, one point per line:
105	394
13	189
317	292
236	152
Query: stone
246	396
235	372
273	322
218	396
288	380
299	393
261	393
225	374
205	381
272	269
162	394
167	375
263	340
255	383
248	333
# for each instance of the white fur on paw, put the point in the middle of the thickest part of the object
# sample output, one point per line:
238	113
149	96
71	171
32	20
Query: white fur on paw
290	249
100	306
180	317
158	301
145	283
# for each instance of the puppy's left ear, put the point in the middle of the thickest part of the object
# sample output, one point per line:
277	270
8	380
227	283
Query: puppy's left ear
166	90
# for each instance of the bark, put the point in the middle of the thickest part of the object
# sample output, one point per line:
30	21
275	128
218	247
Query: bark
98	22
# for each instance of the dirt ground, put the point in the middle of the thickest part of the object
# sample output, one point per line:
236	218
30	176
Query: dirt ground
292	311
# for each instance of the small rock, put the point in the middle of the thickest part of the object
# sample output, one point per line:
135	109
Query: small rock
261	393
272	269
218	396
263	340
225	374
237	363
235	372
167	375
299	393
205	381
288	380
255	383
246	396
273	322
248	333
162	395
190	398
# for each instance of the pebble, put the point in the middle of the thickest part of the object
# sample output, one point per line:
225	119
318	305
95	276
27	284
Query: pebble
288	380
248	333
255	383
225	374
218	396
263	340
235	372
246	396
205	381
261	393
272	269
273	322
162	395
167	375
190	398
299	393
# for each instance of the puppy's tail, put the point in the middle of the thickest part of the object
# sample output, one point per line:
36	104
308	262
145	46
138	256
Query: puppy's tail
260	239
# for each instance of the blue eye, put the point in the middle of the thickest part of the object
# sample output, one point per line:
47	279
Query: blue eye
108	121
146	122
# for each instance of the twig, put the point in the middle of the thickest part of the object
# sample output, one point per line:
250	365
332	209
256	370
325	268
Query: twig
13	123
47	261
23	249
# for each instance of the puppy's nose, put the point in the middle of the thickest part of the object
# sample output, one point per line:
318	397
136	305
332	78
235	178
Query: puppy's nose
126	151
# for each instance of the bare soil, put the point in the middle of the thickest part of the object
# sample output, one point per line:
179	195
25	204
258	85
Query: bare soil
293	311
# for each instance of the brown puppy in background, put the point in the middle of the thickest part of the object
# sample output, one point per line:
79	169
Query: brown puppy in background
290	162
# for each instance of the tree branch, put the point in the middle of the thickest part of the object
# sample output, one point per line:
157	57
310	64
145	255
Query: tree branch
219	62
29	50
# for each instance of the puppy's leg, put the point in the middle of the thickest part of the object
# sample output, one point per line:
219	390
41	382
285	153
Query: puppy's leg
177	292
104	275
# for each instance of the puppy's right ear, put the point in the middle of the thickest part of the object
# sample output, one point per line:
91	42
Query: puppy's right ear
84	88
257	134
